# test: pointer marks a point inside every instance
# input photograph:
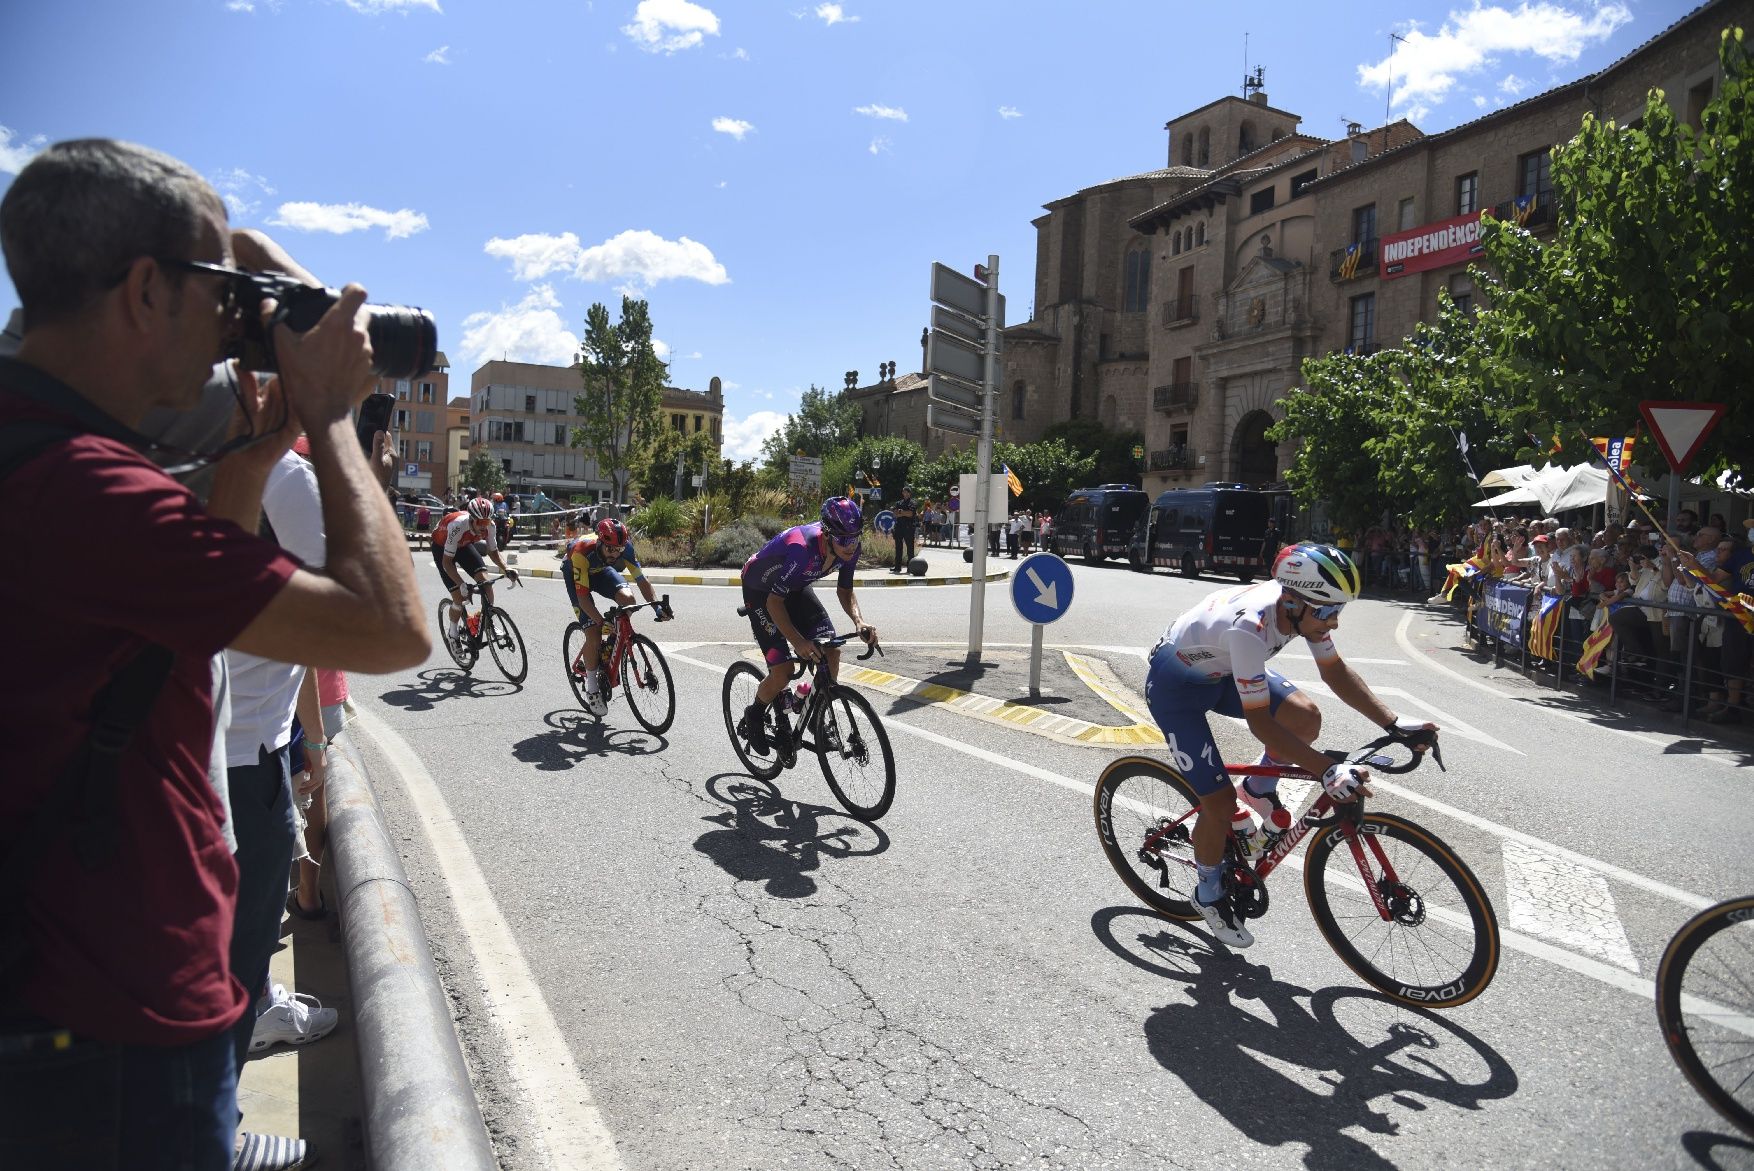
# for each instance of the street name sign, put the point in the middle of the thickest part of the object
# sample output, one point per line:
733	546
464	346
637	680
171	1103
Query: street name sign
945	389
945	354
947	418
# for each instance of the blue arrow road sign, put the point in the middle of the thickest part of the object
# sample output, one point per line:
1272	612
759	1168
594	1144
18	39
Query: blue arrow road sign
884	521
1041	588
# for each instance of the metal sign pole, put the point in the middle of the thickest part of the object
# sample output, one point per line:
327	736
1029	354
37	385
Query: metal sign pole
983	463
1035	660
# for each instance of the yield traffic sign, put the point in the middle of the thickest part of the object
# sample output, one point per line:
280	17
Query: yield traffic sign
1041	589
1680	428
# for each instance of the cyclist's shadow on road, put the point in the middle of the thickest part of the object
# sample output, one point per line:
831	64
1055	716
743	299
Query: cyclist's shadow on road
437	684
1346	1047
1702	1145
574	737
765	838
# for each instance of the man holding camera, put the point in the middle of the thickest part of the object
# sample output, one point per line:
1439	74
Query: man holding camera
116	993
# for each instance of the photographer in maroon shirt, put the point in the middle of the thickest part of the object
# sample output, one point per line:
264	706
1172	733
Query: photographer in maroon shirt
113	1025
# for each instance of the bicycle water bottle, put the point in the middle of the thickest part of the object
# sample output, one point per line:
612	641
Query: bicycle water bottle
1275	818
1248	838
475	624
800	696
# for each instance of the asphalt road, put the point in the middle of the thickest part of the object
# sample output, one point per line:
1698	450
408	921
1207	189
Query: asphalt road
657	962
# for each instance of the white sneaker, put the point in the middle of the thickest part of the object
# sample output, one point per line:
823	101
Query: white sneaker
1222	922
595	703
292	1017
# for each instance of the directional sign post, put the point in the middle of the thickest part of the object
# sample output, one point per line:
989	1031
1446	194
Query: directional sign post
1041	590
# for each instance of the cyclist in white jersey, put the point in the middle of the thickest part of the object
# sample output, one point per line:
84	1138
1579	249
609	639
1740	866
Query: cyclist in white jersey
1214	658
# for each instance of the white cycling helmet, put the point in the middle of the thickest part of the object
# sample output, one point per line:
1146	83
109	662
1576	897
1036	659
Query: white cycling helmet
1316	573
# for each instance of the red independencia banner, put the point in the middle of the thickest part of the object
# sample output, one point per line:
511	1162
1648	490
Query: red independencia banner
1451	241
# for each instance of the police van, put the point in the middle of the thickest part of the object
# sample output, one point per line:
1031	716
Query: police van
1096	523
1213	528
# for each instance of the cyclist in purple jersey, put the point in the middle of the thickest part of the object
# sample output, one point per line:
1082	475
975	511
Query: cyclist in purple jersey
783	610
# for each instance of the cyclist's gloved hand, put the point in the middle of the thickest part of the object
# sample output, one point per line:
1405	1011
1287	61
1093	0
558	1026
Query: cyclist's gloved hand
664	613
1414	732
513	574
1343	781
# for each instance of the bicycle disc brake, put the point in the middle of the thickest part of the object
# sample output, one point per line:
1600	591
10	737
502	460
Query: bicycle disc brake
1406	907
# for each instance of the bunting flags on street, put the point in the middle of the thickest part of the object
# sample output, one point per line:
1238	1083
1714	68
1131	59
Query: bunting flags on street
1544	627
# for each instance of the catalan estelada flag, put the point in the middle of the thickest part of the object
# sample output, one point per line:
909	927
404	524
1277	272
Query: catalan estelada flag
1524	208
1594	647
1011	479
1544	627
1349	263
1459	574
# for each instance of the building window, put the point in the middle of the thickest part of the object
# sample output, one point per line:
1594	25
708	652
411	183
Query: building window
1175	243
1200	232
426	392
1461	291
402	389
530	403
1361	339
1406	214
1468	193
560	434
1299	182
423	450
401	420
1364	224
1205	151
1138	289
1698	98
402	449
677	422
697	421
1534	176
1261	200
1017	397
1245	138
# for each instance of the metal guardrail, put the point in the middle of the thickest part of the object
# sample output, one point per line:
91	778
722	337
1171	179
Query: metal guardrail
1175	395
1181	310
420	1110
1172	459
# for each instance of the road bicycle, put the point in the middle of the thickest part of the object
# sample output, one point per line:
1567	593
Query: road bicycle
627	660
823	716
489	627
1393	901
1705	1005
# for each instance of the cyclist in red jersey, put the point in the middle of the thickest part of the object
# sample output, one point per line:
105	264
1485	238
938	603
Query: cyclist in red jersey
460	539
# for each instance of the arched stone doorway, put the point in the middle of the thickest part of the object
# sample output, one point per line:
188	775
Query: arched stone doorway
1252	454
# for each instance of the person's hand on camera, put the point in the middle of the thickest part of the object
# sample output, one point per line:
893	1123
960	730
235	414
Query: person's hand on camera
327	369
262	406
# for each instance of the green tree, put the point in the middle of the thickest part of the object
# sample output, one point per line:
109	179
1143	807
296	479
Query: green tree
890	459
1647	289
1113	450
623	390
654	472
822	423
482	471
1049	469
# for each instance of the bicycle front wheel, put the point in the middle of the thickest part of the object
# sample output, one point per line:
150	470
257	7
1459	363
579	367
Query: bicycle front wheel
741	682
506	644
1433	943
1705	1004
854	750
1145	813
645	677
462	652
572	646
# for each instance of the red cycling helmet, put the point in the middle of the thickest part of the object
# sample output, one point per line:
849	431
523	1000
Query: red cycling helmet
611	531
481	508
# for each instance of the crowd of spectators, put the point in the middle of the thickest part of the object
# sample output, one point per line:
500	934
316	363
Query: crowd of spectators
149	812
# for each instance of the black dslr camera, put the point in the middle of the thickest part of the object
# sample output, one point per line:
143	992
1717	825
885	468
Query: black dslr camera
404	339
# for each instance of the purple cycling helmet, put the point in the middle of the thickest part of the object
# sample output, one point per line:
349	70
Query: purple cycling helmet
841	517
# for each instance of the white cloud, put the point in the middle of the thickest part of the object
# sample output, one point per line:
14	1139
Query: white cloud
1512	85
1479	101
661	348
530	331
15	151
1426	66
721	184
743	437
641	257
342	218
237	187
833	14
893	113
738	54
669	26
879	145
735	127
374	7
439	56
239	6
1009	112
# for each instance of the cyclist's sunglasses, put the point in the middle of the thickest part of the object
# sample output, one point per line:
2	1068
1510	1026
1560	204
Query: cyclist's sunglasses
1323	612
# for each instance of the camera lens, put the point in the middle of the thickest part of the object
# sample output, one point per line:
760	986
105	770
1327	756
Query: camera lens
404	340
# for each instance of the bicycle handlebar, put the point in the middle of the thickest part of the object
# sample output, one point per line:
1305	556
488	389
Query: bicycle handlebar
662	602
476	587
1417	745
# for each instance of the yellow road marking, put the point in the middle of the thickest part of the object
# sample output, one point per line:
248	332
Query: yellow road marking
1065	729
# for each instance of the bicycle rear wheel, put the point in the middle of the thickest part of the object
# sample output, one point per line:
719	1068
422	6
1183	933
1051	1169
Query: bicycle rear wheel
741	682
1705	1004
462	652
502	638
645	678
1145	819
854	750
1438	948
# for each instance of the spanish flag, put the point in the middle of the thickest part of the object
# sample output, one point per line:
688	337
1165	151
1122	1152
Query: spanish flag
1594	647
1544	627
1011	479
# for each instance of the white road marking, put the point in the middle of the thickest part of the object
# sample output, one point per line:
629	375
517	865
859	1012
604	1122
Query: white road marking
1348	658
572	1130
1584	965
1450	724
1552	899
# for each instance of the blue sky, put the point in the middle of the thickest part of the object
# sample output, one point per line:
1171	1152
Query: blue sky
774	178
